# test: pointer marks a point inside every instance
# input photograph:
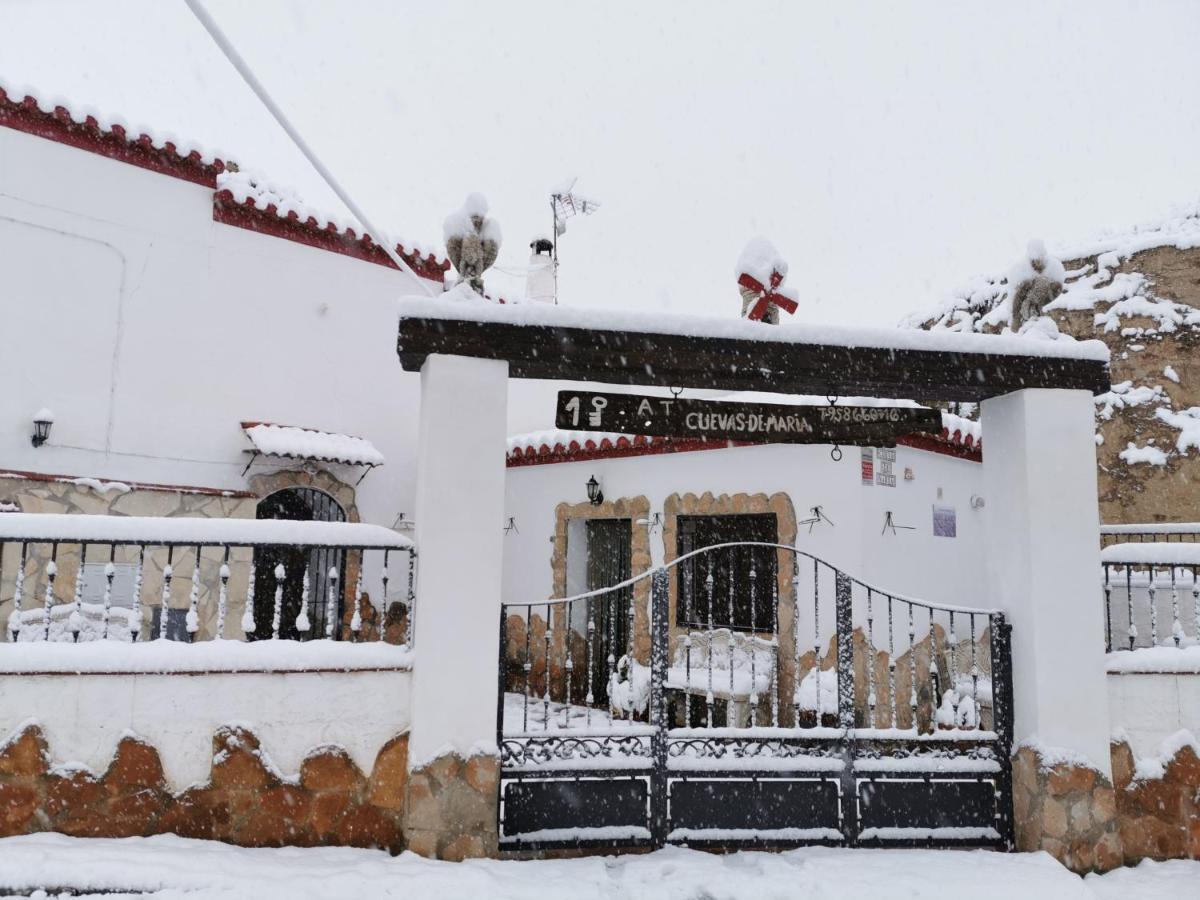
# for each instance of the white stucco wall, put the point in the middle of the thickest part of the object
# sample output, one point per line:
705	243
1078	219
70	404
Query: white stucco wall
912	562
152	331
1149	707
84	716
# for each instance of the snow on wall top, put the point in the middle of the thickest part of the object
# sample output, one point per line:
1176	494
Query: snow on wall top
308	443
158	530
23	108
541	314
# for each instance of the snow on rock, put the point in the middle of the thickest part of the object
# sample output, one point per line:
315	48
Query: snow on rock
1169	372
1125	395
308	443
1052	756
1153	768
541	314
1035	262
1134	455
1188	424
826	683
201	870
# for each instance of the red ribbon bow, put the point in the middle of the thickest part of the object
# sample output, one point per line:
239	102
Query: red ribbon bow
768	296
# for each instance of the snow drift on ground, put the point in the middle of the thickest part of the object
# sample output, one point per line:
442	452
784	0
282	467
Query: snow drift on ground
178	867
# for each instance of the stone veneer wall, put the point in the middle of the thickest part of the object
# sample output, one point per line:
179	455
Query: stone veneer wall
452	807
246	800
1091	824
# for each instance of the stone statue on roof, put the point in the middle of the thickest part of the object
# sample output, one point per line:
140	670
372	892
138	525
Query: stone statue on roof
1034	282
472	241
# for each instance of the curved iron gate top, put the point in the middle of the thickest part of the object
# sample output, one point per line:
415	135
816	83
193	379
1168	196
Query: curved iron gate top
853	715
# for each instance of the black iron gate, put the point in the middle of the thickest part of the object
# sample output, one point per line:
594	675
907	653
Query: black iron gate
852	716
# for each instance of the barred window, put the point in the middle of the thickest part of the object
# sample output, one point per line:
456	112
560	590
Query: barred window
730	567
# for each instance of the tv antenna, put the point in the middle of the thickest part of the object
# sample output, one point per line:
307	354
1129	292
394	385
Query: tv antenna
565	203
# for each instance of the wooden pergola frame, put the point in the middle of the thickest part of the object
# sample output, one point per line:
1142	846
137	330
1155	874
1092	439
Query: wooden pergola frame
673	360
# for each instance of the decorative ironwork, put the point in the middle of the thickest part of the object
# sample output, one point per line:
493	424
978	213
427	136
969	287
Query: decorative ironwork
532	752
942	757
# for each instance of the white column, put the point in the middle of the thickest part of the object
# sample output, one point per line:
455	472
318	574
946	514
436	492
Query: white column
1043	566
459	510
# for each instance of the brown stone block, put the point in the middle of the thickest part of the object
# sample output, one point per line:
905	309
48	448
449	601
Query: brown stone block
87	821
237	761
1109	853
1147	837
365	826
1066	779
465	846
266	829
330	769
1056	848
135	765
464	810
1122	764
423	843
1158	798
1184	768
1081	816
18	802
74	791
1081	857
133	814
25	754
389	777
1104	804
1054	817
286	802
326	810
198	813
444	769
483	773
422	811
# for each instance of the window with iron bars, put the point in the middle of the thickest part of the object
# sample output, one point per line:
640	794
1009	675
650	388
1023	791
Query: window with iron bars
730	568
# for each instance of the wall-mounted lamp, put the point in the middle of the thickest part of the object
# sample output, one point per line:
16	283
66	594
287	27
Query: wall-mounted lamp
595	495
42	420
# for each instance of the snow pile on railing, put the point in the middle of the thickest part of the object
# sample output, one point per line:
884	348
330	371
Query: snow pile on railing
156	530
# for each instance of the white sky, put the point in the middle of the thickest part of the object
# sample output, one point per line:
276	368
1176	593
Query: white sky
889	151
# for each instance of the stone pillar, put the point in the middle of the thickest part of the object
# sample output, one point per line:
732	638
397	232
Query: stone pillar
1043	564
452	790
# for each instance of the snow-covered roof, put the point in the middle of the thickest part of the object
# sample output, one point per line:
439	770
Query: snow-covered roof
239	199
959	437
475	309
308	443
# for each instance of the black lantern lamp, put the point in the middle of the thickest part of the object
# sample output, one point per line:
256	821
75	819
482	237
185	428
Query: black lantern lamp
594	493
42	420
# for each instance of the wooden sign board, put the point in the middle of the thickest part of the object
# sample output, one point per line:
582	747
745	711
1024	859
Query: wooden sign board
759	423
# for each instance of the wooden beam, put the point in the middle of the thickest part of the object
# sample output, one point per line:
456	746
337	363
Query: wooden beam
670	360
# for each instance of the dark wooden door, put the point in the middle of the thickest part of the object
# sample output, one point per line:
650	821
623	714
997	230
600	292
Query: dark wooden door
304	505
609	545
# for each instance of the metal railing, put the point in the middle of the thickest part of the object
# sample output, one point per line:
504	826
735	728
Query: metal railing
1150	532
1151	594
81	578
914	666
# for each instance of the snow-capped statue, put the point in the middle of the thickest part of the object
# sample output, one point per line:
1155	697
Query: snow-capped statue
760	274
472	240
1033	283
